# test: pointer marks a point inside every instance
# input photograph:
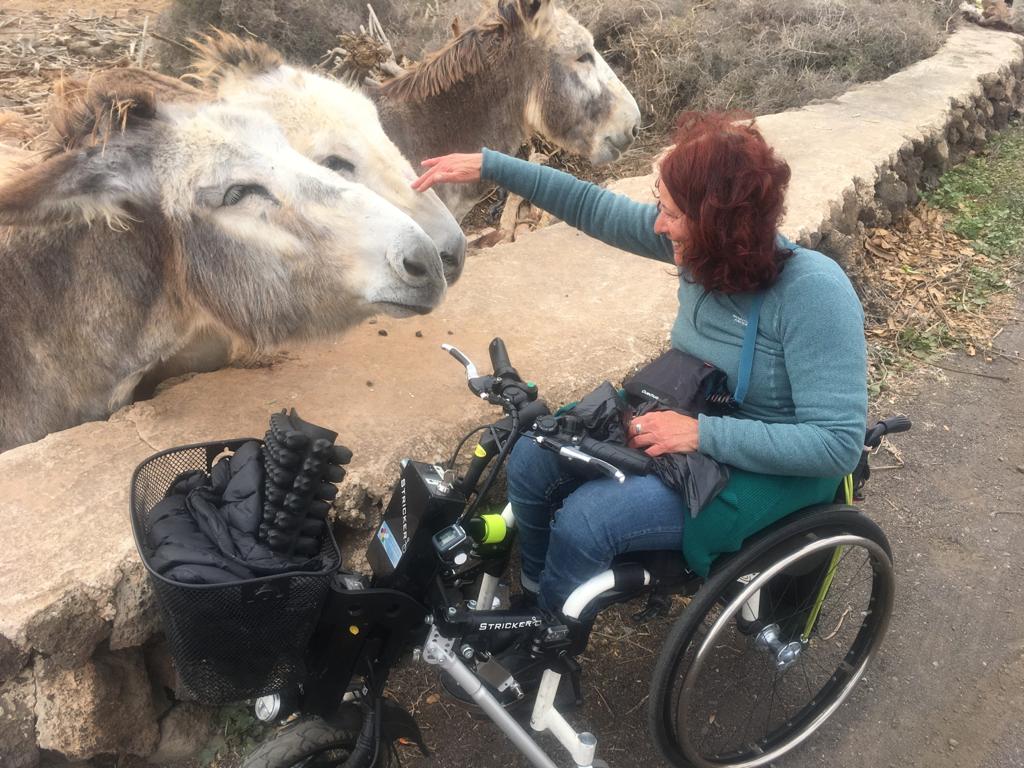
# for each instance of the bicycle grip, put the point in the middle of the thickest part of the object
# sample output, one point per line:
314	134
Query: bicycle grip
499	360
629	460
895	424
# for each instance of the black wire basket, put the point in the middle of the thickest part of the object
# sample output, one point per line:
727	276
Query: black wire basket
238	640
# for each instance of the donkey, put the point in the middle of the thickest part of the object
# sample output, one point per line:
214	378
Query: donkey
177	217
525	67
329	122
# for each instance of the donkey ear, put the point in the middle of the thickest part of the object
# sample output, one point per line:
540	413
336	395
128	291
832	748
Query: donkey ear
80	185
219	54
84	114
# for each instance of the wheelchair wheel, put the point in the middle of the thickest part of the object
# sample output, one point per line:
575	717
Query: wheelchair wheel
774	642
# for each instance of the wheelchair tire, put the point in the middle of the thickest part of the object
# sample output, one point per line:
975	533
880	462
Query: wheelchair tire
310	742
774	641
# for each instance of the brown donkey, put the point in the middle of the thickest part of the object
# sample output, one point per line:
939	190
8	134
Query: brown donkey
525	67
168	219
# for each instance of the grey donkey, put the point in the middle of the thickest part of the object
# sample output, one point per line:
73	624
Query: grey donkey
163	220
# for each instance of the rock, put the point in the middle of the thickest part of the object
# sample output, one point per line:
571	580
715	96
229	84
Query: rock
136	617
104	706
184	731
12	659
1001	114
488	238
68	630
162	676
18	722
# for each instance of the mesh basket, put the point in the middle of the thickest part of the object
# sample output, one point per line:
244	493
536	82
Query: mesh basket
237	640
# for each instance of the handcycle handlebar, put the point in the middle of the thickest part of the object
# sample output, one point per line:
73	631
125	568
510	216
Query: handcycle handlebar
504	386
519	399
889	426
572	453
499	360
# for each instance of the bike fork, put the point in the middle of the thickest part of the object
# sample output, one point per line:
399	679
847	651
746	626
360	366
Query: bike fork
438	651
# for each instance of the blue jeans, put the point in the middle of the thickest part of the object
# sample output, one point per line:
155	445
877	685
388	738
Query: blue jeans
570	529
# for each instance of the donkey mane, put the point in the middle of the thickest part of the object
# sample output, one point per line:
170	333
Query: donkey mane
221	52
84	113
466	55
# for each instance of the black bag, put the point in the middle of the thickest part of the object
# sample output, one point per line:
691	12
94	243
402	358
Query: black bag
679	382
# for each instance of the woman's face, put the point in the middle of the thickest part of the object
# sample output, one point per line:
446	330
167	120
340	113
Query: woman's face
671	222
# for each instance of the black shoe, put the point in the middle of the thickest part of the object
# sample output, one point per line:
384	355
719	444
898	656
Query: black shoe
522	601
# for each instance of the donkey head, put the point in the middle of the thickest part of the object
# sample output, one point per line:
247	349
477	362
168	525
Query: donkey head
330	123
258	238
576	100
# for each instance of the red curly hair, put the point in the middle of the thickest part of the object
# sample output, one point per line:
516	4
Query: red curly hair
727	180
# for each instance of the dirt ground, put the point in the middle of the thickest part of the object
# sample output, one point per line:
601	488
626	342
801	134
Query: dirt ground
116	8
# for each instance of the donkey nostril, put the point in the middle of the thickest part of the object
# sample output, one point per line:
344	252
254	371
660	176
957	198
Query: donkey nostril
635	130
414	268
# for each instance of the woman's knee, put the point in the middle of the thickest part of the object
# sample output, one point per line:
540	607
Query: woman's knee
581	528
532	471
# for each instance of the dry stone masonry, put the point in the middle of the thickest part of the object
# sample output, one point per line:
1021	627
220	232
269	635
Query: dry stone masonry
83	671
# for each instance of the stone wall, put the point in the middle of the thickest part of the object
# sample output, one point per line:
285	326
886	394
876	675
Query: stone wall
82	668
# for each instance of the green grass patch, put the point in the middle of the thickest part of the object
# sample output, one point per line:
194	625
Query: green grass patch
937	292
985	194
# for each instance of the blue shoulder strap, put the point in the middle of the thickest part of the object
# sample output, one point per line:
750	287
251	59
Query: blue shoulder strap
747	353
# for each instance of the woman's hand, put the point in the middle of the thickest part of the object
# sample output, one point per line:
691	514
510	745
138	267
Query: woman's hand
661	432
450	169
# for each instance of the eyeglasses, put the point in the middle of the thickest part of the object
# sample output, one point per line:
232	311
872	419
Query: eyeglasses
662	211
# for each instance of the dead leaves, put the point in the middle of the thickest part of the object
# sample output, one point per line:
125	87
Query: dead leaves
924	289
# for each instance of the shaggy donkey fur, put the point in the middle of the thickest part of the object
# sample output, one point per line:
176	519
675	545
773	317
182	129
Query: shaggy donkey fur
163	220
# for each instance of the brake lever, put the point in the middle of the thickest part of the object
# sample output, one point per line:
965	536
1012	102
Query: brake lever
575	454
471	371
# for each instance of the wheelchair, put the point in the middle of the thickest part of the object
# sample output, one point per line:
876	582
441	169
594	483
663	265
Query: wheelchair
766	649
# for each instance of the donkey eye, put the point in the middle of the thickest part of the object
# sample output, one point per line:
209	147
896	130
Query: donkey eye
338	164
236	193
586	58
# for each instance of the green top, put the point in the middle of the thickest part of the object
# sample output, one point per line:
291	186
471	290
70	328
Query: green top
805	411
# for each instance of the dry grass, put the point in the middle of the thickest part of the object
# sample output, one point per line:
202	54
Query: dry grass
925	290
38	48
757	55
765	56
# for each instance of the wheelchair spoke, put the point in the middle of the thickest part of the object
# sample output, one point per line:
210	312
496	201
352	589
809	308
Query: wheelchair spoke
740	702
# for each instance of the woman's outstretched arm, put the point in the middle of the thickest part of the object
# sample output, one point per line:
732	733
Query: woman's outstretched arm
609	217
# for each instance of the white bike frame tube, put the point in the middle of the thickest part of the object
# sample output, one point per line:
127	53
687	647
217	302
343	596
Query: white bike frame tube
485	597
590	589
469	682
508	517
545	717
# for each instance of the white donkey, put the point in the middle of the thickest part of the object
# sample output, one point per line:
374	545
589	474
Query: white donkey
180	217
329	122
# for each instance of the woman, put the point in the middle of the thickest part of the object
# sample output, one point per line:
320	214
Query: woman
801	425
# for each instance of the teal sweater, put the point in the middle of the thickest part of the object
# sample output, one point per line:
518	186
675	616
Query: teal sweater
806	407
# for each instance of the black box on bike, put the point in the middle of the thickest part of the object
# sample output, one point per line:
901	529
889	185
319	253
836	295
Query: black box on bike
401	553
